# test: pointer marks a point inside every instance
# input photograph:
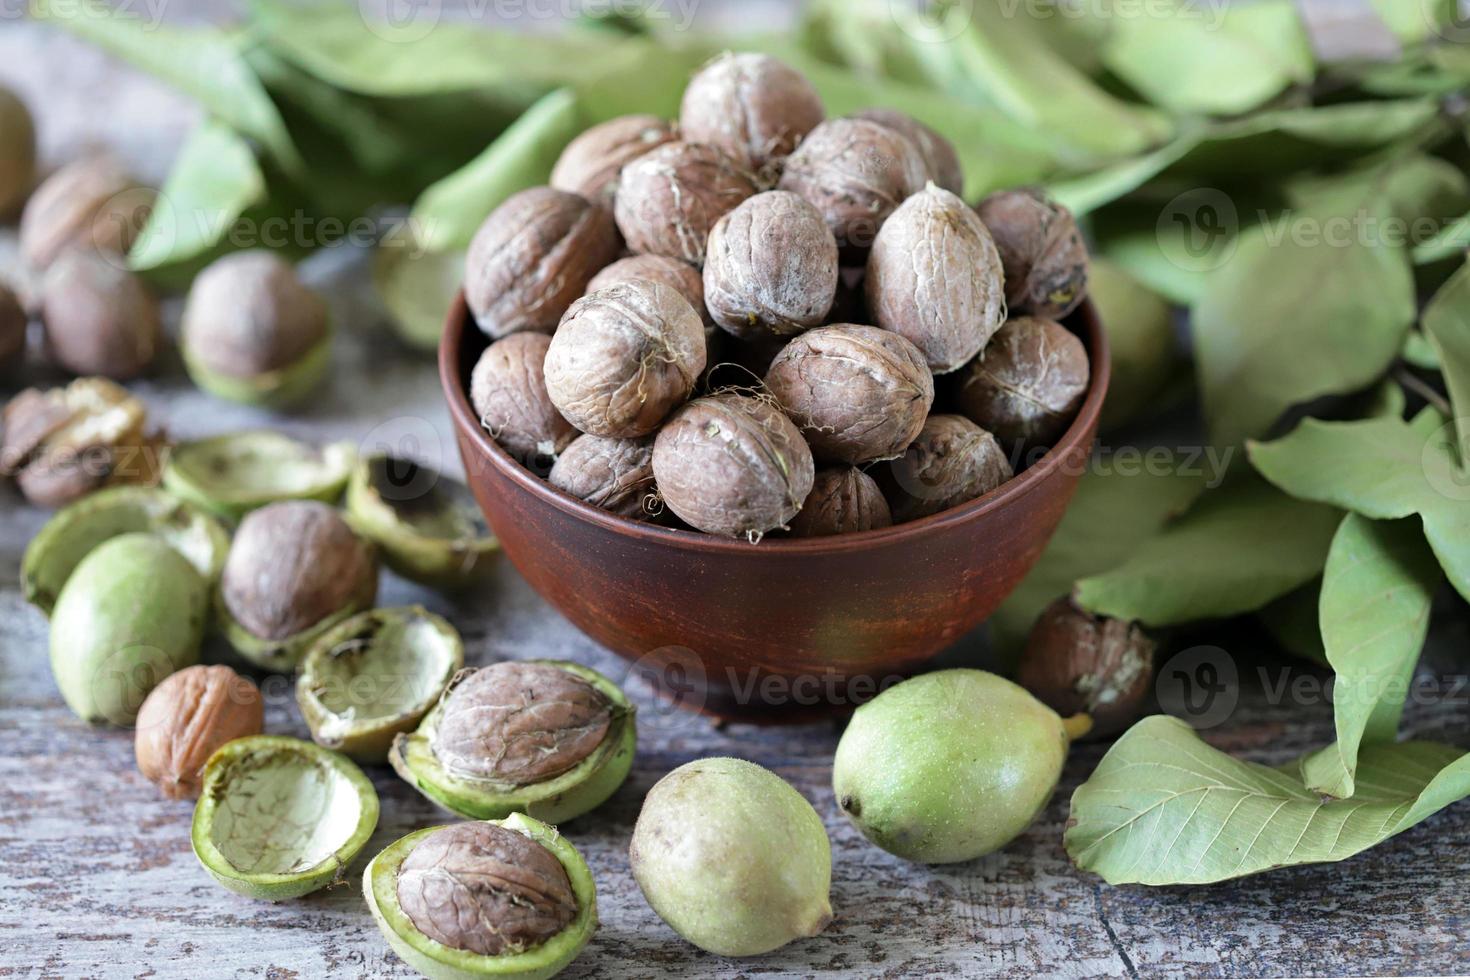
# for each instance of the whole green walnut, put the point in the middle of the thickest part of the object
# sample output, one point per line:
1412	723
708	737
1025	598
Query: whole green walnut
508	392
670	198
771	267
17	152
1078	663
623	358
678	275
733	858
532	257
92	202
856	173
751	107
732	465
614	474
592	163
843	500
858	393
1043	253
99	319
934	276
130	615
938	153
951	462
12	330
949	766
1027	384
252	332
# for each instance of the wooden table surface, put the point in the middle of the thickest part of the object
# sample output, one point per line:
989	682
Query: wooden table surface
97	877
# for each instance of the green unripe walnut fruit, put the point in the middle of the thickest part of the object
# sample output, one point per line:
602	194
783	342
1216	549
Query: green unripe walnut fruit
733	858
131	614
951	765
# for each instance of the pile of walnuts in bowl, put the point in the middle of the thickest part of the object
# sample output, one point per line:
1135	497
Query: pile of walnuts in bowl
736	323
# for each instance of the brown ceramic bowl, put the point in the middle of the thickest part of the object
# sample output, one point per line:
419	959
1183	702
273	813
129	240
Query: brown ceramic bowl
731	627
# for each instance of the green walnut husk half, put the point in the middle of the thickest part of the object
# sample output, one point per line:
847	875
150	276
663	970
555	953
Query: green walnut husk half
278	818
374	676
231	475
440	961
131	614
426	524
521	737
271	389
80	527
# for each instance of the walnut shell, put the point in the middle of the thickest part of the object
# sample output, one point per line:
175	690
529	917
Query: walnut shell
188	716
520	723
591	164
1027	384
293	564
934	277
99	318
532	257
843	499
484	889
614	474
952	461
90	202
63	443
508	391
674	273
17	152
771	267
733	465
248	314
13	329
856	173
751	107
669	199
940	158
1080	663
623	358
1043	253
859	393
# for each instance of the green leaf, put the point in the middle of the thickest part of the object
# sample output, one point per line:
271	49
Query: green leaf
418	287
1446	323
1164	808
214	180
1121	502
1091	191
1191	58
1141	341
1385	469
202	62
1419	352
1376	591
1309	305
1240	546
1451	240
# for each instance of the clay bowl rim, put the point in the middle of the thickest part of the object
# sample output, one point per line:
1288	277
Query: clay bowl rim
463	417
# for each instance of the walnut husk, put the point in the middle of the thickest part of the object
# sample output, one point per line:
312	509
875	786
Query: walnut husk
858	393
1028	383
939	153
532	257
670	198
99	319
951	462
1077	663
754	108
188	716
249	314
484	889
771	267
1043	253
592	163
520	723
843	500
89	203
508	392
624	357
934	276
614	474
293	564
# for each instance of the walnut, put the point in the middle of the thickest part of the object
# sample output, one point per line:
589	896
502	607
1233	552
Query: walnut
940	158
951	462
64	443
843	499
751	107
485	889
249	315
188	716
674	273
934	277
1028	383
532	257
591	164
669	199
614	474
99	318
508	392
1077	662
856	173
1043	253
859	393
624	357
520	723
90	202
771	267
